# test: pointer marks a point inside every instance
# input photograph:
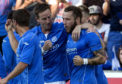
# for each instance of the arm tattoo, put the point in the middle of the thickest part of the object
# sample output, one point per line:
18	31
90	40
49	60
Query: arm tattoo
98	59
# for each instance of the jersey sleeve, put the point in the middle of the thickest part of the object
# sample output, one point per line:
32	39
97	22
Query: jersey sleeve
2	68
93	41
27	52
8	53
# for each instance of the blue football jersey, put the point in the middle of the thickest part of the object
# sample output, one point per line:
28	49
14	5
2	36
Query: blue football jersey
55	63
29	52
9	57
101	78
84	47
5	8
2	67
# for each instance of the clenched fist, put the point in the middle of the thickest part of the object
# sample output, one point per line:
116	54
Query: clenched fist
77	60
8	25
47	45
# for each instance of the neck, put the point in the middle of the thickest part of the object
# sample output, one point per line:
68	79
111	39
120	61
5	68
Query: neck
45	31
98	26
22	30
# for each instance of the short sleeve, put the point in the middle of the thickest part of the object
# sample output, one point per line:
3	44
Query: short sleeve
93	41
8	53
27	52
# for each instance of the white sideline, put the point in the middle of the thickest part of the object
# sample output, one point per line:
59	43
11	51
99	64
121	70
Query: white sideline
113	74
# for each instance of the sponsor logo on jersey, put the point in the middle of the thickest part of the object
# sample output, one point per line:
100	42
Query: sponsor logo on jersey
54	39
71	51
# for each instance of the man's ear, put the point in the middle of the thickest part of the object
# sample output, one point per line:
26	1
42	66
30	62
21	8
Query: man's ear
14	22
37	19
78	20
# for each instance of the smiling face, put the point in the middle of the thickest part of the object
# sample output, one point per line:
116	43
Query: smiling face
69	21
45	19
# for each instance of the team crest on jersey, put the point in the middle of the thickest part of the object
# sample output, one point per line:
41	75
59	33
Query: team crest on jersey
54	39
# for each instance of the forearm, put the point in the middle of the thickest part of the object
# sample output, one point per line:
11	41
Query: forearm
18	4
54	10
83	26
106	7
78	61
86	26
17	70
21	6
13	41
97	60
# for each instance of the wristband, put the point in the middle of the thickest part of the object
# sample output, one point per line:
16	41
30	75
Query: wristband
85	61
42	50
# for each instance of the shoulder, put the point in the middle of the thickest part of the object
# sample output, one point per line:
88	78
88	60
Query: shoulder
5	40
84	32
106	25
91	36
58	26
29	37
35	29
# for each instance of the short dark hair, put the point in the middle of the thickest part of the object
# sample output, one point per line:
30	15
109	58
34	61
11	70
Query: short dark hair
10	15
84	9
22	17
39	8
75	10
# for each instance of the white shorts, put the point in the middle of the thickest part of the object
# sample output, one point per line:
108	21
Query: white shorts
58	82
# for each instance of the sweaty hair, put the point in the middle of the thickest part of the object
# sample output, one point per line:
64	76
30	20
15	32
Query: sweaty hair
22	17
41	8
75	10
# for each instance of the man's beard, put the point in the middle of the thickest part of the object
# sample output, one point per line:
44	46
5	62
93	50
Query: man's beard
97	22
72	28
47	27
